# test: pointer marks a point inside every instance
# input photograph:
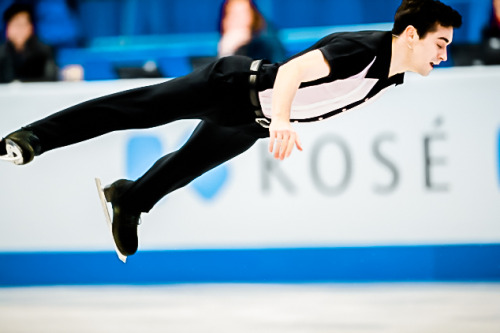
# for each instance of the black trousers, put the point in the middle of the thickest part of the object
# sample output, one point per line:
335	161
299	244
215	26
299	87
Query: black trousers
217	94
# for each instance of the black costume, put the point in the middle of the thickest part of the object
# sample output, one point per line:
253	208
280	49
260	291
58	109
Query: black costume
225	95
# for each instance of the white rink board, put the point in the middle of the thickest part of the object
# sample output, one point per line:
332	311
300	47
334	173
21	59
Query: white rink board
52	203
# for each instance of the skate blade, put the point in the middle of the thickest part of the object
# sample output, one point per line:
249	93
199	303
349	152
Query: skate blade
8	158
108	217
13	153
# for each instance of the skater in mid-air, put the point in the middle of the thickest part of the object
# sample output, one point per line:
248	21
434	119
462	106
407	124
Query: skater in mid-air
240	100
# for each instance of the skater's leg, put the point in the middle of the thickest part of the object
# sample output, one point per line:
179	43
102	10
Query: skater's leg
203	94
209	146
187	97
137	108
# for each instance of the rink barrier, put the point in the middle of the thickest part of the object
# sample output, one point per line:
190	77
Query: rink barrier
435	263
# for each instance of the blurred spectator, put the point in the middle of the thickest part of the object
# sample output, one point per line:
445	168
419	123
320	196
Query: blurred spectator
493	28
23	57
244	31
491	37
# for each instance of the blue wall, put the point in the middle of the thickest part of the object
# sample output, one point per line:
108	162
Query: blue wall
98	18
455	263
132	17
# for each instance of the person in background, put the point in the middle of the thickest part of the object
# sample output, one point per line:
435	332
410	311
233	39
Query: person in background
490	46
245	32
493	28
23	56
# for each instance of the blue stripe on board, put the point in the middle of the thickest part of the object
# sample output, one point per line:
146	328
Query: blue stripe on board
295	265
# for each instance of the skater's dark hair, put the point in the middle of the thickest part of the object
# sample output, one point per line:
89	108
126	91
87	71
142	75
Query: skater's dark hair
425	15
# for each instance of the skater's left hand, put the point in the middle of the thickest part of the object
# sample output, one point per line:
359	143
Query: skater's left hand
283	139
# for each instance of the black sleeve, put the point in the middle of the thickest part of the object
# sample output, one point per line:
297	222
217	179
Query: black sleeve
345	57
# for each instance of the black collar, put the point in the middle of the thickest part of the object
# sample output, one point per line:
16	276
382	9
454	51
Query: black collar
382	65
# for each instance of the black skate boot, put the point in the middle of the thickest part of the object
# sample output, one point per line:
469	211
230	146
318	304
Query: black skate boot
20	147
125	222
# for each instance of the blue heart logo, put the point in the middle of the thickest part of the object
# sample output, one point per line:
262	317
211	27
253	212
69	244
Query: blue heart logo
142	153
211	182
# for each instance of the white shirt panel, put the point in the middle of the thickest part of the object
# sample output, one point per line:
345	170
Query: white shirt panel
315	101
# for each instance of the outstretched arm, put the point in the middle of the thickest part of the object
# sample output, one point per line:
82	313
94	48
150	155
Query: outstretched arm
308	67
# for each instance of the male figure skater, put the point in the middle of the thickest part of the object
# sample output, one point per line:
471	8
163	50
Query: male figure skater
239	101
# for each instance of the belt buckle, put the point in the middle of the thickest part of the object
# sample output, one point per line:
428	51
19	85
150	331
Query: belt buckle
264	122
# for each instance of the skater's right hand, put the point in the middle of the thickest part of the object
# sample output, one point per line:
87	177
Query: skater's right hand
308	67
283	139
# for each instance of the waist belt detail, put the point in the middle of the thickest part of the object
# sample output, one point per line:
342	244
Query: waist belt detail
254	95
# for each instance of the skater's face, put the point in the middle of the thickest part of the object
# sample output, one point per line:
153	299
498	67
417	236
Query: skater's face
19	29
429	51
